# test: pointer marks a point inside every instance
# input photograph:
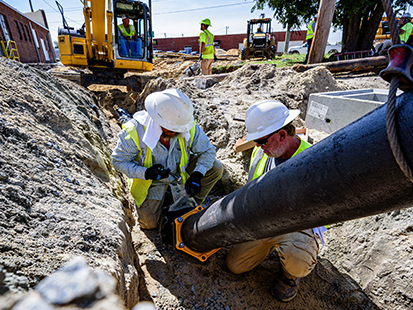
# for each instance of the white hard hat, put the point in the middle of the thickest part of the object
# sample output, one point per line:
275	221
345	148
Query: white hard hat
267	116
124	17
171	109
406	14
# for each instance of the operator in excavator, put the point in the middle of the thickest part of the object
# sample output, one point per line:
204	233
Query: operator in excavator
206	47
129	42
160	144
269	125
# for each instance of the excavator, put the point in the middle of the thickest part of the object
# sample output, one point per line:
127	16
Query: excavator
97	44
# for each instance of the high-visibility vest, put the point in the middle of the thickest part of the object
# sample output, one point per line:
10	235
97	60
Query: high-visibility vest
139	187
208	52
407	31
310	30
125	32
259	160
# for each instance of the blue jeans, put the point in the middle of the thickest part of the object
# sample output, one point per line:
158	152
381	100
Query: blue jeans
135	48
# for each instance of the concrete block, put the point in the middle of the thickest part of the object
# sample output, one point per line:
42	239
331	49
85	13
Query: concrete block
331	111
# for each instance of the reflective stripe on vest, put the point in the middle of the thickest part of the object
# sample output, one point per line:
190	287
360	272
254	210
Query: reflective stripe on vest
124	31
139	187
310	30
259	160
208	52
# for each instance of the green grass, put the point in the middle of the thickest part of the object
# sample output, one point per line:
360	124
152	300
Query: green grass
288	60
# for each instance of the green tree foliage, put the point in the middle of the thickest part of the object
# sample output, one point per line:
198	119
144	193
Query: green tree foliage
358	19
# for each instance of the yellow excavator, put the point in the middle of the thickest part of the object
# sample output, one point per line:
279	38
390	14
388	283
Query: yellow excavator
99	46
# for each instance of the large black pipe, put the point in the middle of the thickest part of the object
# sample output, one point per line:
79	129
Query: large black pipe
349	175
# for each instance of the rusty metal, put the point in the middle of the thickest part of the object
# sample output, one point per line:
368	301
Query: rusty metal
361	64
400	64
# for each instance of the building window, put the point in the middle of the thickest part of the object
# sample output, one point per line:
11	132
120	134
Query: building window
24	33
5	28
28	33
18	30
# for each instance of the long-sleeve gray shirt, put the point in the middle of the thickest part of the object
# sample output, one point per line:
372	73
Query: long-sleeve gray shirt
125	152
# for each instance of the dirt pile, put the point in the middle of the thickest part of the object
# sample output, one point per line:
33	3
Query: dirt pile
59	194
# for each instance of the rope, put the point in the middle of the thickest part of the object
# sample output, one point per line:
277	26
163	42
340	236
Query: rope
391	104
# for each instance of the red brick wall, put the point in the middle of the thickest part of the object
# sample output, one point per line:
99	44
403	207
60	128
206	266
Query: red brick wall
226	42
25	44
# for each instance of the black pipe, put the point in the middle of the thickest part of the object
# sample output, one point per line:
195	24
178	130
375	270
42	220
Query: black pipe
348	175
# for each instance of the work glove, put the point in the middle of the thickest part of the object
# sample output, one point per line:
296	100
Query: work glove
193	184
200	56
215	57
156	172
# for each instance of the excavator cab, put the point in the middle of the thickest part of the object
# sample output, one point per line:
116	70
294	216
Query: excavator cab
99	45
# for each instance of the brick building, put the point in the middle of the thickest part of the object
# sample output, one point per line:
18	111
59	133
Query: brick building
225	42
29	31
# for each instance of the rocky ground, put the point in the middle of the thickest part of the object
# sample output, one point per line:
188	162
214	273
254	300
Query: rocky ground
61	198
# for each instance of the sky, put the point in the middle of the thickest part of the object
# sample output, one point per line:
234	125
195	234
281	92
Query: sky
170	18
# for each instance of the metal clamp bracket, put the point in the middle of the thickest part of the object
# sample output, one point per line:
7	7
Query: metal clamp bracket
400	64
180	245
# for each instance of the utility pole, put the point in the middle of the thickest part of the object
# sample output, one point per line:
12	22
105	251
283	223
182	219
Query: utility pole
287	39
31	6
226	29
322	29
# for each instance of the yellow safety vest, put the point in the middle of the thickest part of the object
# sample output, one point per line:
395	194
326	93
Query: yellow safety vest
259	171
208	52
139	187
125	32
310	30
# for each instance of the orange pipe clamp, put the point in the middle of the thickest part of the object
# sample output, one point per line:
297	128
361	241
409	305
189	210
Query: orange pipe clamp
180	245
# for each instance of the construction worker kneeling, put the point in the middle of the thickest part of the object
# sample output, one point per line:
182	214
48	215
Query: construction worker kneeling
163	145
269	125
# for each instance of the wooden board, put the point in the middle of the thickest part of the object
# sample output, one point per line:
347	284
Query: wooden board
243	144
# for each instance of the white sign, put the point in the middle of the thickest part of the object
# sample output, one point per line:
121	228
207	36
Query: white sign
317	110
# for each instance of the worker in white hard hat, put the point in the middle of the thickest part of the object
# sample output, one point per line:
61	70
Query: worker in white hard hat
405	29
160	144
206	47
269	125
310	35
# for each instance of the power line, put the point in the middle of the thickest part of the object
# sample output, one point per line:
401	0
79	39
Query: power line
204	8
59	12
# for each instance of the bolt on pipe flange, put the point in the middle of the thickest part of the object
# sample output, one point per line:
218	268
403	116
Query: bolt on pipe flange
400	64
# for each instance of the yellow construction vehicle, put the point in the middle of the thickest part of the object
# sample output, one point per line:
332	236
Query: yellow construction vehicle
99	45
383	32
259	42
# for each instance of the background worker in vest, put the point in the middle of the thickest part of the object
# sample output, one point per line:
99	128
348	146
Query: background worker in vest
206	47
160	140
405	29
310	36
128	39
269	124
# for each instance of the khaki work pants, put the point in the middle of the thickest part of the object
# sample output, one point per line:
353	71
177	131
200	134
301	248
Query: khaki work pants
297	251
150	211
206	66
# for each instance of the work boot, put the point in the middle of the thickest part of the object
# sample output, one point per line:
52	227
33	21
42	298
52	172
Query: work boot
285	289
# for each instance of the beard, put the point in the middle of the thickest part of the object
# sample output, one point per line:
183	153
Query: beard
164	136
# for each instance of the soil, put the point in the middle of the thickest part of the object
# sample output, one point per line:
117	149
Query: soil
60	197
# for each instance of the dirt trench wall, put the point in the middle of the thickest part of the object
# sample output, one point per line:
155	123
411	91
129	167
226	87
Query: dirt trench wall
59	194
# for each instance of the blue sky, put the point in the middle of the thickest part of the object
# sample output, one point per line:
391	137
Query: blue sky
171	17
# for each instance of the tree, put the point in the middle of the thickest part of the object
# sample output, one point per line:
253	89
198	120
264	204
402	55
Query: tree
359	19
